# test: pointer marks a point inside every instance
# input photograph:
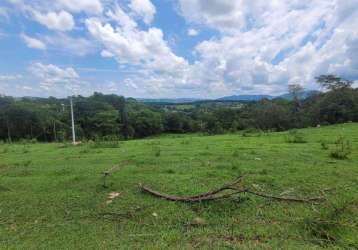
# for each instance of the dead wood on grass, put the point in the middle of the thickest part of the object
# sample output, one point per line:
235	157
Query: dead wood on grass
226	191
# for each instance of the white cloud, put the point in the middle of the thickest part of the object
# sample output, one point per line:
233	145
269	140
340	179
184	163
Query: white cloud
6	78
2	34
224	14
259	46
62	21
52	76
193	32
130	45
89	6
123	20
33	43
79	46
277	43
4	13
144	9
106	53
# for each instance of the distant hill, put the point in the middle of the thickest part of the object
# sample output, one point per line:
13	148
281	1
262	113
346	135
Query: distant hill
287	96
234	98
304	95
168	100
245	98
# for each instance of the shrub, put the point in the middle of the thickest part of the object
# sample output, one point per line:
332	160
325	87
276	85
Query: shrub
295	136
342	149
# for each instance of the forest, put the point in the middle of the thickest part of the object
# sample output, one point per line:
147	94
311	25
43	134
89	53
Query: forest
109	117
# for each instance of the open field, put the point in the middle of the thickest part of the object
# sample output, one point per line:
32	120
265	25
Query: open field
52	195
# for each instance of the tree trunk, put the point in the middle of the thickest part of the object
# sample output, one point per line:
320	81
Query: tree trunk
54	131
8	131
44	133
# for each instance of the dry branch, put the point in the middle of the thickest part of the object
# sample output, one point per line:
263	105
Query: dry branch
220	193
211	195
279	198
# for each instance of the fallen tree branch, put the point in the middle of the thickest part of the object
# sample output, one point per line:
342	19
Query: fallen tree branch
220	193
211	195
279	198
198	198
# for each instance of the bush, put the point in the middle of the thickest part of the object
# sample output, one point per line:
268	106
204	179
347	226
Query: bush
342	150
295	136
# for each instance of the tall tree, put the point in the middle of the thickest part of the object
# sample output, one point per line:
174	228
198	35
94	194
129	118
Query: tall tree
296	91
333	82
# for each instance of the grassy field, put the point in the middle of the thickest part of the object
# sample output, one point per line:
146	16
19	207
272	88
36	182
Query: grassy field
52	195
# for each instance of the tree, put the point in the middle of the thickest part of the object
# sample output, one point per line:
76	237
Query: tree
271	115
333	82
296	91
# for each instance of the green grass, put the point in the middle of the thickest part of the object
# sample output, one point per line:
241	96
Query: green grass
52	195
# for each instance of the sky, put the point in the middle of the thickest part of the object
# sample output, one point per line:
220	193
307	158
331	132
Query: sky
174	48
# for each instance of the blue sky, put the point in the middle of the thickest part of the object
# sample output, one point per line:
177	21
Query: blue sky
173	48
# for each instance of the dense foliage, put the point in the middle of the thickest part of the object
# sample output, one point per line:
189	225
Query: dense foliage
110	116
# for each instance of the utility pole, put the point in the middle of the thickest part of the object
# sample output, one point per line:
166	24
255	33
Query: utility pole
73	123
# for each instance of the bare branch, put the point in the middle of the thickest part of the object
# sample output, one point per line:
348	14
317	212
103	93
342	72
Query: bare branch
221	194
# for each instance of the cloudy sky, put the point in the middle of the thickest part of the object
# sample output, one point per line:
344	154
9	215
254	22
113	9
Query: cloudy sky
173	48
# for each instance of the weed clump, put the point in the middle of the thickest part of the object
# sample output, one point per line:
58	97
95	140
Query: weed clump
295	136
342	149
329	224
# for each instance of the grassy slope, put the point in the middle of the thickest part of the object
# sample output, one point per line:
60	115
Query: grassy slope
56	199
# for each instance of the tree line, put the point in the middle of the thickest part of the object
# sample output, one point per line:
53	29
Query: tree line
108	117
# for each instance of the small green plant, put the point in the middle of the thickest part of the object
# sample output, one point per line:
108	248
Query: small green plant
105	144
106	174
295	136
185	142
250	132
84	151
4	150
157	151
27	163
342	149
324	145
25	150
170	171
